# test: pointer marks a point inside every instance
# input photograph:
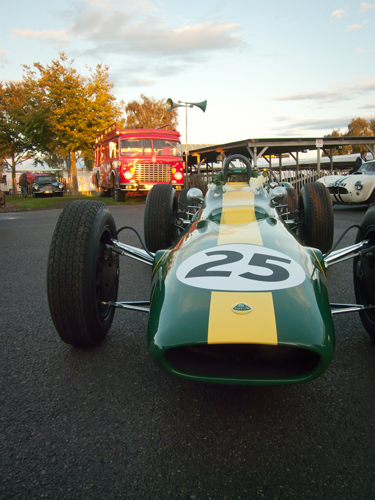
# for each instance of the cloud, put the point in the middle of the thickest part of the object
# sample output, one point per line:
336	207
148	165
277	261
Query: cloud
40	35
341	93
304	127
337	14
366	6
369	105
138	27
149	35
354	27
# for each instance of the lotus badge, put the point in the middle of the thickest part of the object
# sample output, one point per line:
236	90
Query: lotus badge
241	308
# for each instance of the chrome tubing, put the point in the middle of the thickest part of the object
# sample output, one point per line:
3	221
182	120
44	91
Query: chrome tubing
345	253
345	308
133	252
141	306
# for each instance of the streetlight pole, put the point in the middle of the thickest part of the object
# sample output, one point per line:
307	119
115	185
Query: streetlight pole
172	105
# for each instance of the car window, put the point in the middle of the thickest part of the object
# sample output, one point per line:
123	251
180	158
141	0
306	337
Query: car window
368	168
45	179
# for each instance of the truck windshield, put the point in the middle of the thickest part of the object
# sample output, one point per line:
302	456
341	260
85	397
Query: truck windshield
167	148
135	147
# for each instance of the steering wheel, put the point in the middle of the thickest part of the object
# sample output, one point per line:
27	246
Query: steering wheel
244	160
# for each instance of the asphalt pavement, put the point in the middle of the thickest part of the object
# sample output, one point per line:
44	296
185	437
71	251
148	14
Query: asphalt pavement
106	423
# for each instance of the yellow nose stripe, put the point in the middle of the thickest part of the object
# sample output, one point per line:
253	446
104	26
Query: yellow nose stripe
238	221
256	327
239	225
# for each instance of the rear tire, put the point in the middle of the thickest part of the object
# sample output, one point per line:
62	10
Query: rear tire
291	199
316	217
160	216
364	272
82	273
183	202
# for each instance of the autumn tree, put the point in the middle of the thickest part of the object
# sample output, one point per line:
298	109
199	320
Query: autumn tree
149	112
359	127
345	150
79	107
22	128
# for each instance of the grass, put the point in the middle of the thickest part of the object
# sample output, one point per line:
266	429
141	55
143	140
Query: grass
16	204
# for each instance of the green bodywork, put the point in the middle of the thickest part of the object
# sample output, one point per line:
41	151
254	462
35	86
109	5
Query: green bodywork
180	314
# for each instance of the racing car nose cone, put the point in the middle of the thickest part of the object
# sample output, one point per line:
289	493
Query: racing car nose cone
241	308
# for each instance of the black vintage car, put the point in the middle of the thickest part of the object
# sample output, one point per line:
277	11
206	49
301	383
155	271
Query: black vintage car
47	185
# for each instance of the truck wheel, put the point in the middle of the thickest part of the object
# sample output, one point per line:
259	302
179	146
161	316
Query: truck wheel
82	274
160	216
316	217
364	272
102	193
119	196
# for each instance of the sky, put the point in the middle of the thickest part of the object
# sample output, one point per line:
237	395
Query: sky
266	68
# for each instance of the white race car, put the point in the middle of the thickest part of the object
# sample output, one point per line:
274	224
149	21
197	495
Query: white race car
353	188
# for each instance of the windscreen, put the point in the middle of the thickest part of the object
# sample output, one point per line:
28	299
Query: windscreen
135	147
45	179
166	148
368	168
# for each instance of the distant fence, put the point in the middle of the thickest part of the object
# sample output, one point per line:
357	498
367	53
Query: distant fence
297	177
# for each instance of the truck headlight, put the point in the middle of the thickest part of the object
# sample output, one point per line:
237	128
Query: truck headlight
178	176
358	185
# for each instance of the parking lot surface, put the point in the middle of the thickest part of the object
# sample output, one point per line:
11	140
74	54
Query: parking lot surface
105	423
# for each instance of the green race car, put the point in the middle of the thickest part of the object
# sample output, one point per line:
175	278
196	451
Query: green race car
238	293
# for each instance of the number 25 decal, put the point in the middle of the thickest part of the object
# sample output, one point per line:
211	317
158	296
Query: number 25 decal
240	267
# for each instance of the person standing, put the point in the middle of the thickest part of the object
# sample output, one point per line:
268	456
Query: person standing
23	183
359	161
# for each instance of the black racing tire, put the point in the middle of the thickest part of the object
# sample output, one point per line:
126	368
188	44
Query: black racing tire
315	213
119	196
82	273
291	199
161	208
364	272
183	202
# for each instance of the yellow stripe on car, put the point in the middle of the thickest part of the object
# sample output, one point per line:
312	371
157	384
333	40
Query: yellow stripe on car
258	323
238	221
256	327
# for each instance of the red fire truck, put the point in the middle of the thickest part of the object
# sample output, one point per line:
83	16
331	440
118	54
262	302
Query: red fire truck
133	161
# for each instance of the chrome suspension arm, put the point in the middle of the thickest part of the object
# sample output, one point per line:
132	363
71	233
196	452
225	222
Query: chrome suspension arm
347	253
132	252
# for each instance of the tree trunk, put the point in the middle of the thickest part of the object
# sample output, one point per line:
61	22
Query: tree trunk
14	180
74	173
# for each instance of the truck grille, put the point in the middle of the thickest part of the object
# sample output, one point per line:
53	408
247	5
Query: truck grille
153	172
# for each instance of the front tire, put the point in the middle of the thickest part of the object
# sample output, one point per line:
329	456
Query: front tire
364	272
160	216
316	217
82	273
